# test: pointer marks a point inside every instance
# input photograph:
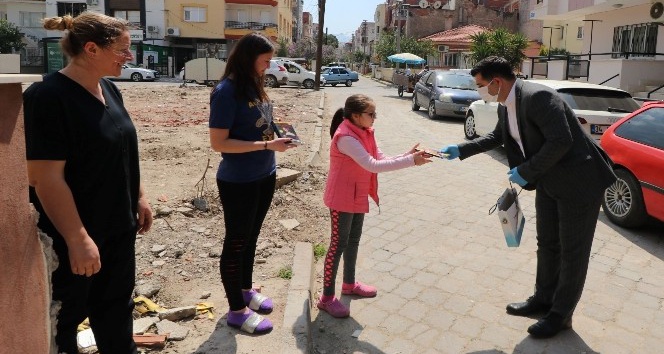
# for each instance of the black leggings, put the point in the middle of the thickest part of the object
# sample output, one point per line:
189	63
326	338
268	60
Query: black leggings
245	206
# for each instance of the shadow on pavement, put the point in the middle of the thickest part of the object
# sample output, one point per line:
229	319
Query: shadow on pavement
222	339
335	335
565	342
649	237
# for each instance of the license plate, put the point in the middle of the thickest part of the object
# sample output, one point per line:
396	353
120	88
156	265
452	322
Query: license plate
598	129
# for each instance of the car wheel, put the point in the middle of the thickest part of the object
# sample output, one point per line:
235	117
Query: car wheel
349	83
334	85
270	81
623	201
432	110
415	106
136	77
308	83
211	83
469	126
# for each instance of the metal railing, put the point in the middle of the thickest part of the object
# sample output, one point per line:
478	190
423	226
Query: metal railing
576	66
257	26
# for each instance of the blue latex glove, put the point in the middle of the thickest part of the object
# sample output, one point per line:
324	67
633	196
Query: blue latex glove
515	177
452	151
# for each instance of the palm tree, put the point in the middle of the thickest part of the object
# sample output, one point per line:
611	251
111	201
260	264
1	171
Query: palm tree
500	42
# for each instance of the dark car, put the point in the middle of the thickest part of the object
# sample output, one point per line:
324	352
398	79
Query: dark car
445	93
635	145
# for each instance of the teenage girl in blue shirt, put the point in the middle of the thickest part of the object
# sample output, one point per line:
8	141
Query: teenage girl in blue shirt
240	128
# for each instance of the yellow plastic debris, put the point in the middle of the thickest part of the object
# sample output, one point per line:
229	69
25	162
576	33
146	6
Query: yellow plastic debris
144	305
205	307
83	325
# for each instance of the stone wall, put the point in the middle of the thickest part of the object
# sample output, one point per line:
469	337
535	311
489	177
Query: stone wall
25	291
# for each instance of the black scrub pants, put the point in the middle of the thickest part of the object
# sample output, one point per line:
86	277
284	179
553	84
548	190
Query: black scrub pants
105	297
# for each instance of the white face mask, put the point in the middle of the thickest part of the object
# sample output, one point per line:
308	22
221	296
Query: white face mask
484	93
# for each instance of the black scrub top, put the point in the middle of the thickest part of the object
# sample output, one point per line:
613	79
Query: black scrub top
65	122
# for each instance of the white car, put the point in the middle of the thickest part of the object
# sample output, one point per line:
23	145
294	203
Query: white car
276	75
596	107
134	73
299	75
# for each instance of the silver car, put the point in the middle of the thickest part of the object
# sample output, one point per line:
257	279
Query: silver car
596	107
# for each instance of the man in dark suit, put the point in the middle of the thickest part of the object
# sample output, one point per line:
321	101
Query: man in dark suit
547	151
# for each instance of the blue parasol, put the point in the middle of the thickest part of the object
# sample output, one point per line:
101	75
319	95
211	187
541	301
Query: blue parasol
406	58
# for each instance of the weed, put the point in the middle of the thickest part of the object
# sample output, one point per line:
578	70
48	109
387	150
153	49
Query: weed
319	251
285	273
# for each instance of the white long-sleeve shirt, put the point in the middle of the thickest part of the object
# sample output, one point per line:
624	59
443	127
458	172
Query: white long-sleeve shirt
354	149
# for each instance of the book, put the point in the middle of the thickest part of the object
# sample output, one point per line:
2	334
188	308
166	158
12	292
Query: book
433	153
286	130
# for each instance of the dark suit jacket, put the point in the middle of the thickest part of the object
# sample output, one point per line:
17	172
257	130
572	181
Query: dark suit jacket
559	156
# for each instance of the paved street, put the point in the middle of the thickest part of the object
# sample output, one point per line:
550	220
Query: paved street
444	273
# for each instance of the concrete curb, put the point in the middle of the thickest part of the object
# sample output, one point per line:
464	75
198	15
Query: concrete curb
299	302
314	156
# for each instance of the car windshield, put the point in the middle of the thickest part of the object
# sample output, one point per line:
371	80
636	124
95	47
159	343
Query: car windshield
599	100
132	65
325	71
463	82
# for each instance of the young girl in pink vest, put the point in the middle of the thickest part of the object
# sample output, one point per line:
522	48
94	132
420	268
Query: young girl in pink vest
355	161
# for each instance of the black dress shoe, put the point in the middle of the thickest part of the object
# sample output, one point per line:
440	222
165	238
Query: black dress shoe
530	307
550	325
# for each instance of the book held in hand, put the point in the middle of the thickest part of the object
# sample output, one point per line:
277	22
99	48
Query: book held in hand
433	153
286	130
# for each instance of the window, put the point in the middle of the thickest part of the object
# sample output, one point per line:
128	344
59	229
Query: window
579	32
30	19
72	9
598	100
3	15
638	40
452	60
195	14
646	128
242	16
133	17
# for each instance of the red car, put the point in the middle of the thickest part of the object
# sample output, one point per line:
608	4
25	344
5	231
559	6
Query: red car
635	144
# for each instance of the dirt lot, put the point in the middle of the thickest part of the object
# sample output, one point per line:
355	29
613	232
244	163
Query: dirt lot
180	255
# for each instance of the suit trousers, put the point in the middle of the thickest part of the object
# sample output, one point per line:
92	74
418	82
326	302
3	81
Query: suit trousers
105	297
565	230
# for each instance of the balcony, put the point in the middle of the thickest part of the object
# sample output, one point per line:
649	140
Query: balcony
237	29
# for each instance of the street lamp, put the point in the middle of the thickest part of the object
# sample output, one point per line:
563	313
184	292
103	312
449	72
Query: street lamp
551	35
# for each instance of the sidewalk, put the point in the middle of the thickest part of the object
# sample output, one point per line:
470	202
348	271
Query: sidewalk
444	273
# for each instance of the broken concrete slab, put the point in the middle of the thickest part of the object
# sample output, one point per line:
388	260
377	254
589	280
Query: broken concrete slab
178	313
289	223
173	330
143	324
285	176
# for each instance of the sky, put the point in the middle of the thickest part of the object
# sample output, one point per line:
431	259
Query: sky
343	16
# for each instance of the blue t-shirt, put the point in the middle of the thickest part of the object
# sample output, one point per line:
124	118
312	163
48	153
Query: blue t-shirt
245	120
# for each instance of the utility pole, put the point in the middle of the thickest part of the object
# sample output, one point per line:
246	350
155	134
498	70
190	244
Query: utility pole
319	44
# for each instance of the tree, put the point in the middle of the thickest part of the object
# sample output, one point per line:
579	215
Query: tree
500	42
10	37
359	57
331	40
282	50
386	46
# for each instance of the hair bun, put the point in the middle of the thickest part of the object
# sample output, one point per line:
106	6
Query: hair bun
67	22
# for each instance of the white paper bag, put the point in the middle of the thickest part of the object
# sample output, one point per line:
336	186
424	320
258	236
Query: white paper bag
510	216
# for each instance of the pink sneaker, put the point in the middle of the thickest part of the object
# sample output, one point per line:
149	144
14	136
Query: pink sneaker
335	308
359	289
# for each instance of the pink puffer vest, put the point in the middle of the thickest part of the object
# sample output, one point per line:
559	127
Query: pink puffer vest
349	186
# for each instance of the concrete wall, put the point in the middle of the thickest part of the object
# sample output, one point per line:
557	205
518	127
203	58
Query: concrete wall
424	22
25	293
